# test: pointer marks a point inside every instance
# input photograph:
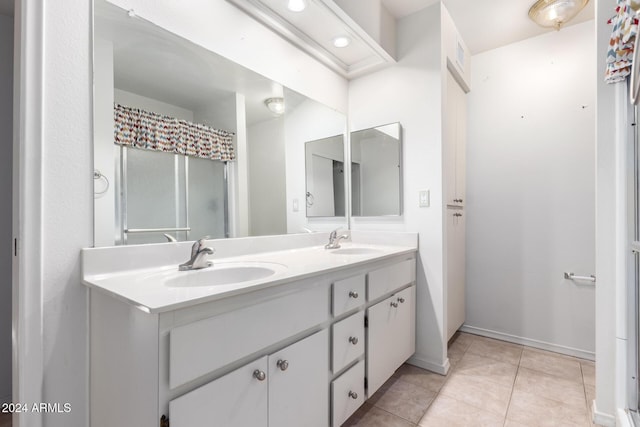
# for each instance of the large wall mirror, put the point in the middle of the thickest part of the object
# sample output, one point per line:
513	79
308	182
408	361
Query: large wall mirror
249	181
376	171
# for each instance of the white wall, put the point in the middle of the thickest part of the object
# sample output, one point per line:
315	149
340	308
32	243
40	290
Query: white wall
6	145
409	92
531	190
267	180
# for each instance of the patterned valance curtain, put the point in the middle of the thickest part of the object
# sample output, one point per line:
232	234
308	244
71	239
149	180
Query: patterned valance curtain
621	46
150	131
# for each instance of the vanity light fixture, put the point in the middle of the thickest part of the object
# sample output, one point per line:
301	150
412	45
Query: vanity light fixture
275	105
296	5
555	13
341	41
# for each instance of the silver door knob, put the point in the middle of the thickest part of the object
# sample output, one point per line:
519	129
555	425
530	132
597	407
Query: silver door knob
282	364
394	304
259	375
353	294
353	340
353	395
401	300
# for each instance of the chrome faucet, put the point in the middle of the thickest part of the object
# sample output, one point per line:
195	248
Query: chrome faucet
198	256
334	239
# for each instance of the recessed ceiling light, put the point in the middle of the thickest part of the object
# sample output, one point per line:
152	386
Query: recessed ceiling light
341	41
297	5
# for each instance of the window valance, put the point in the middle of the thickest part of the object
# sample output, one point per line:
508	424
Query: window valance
151	131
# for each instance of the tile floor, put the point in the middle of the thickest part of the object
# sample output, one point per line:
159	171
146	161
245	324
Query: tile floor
490	383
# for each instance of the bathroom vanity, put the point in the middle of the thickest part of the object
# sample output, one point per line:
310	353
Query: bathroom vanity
290	334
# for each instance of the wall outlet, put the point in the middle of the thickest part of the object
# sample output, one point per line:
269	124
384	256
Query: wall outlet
295	205
424	198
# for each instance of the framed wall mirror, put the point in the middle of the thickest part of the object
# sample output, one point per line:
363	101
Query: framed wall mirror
376	171
325	177
148	195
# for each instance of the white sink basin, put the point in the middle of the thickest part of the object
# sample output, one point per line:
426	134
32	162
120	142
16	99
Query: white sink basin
355	251
223	274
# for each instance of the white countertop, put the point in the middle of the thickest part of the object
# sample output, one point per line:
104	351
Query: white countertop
146	287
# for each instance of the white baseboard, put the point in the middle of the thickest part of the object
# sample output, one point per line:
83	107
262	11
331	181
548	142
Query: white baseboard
438	368
582	354
622	420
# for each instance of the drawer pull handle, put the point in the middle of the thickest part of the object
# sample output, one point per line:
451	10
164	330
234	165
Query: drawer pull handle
401	300
353	294
353	395
394	304
282	364
259	375
353	340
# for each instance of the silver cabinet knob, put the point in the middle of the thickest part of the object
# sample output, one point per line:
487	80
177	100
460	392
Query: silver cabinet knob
401	300
353	340
282	364
353	294
259	375
394	304
353	395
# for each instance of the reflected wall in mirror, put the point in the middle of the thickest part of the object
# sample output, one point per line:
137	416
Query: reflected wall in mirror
325	177
376	182
149	193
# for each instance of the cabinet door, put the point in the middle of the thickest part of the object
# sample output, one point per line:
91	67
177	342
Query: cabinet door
449	140
299	383
455	270
238	399
461	144
390	336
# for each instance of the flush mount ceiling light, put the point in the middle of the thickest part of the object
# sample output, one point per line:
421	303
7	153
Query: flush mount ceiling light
555	13
275	105
296	5
341	41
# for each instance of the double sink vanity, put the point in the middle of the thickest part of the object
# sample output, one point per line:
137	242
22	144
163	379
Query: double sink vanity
279	331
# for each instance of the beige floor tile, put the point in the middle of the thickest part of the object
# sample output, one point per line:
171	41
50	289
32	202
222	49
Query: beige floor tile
534	410
590	391
461	340
371	416
552	363
494	349
448	412
550	386
403	399
488	369
588	373
421	377
482	394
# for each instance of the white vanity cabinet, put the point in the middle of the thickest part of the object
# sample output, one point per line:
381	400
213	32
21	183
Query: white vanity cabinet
295	354
284	389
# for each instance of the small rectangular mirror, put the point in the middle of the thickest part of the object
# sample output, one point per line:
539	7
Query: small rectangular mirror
376	171
325	183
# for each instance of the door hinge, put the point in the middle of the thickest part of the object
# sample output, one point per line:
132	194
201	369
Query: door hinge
164	421
366	322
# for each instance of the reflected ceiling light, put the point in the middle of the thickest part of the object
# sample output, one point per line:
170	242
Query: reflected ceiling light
275	105
341	41
555	13
296	5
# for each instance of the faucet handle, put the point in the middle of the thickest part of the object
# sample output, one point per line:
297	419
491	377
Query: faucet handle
198	246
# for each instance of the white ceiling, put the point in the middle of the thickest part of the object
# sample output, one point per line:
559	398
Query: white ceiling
487	24
6	7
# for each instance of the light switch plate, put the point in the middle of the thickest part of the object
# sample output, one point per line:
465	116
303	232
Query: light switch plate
424	198
295	205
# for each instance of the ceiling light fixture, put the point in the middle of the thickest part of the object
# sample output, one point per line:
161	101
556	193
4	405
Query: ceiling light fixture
341	41
297	5
275	105
555	13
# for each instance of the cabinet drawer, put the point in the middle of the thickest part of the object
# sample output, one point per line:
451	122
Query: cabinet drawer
348	341
238	399
387	279
206	345
348	294
347	393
